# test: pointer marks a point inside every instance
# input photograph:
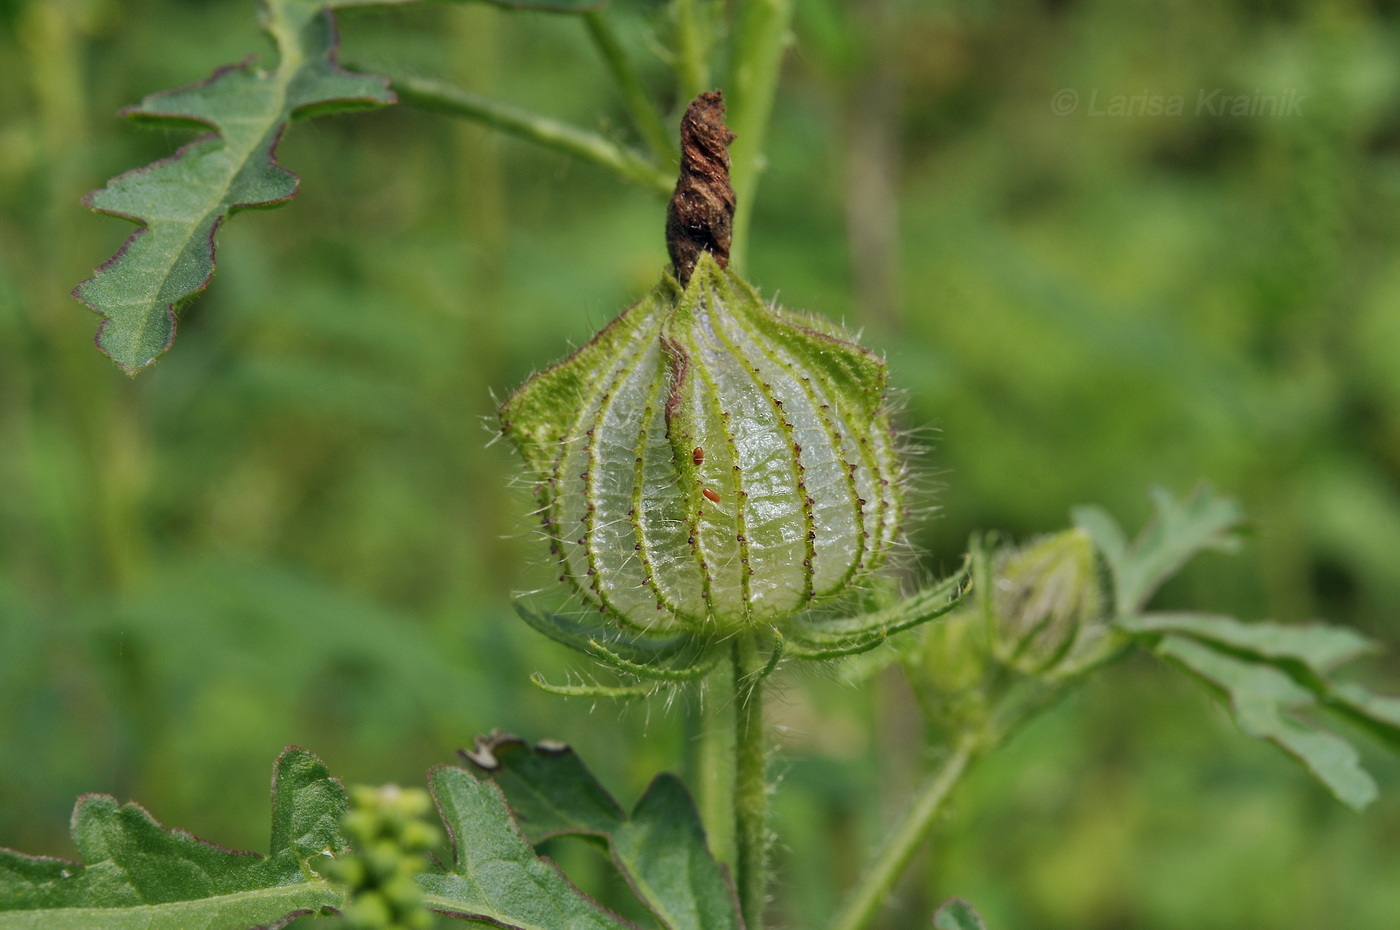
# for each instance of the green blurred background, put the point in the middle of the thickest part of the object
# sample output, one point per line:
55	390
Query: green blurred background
293	530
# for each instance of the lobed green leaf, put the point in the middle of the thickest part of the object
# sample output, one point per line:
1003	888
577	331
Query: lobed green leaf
659	847
1377	714
1179	531
1317	646
1306	653
1265	702
495	877
181	201
137	874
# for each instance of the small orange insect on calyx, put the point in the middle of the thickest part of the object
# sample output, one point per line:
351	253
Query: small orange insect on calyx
697	455
711	494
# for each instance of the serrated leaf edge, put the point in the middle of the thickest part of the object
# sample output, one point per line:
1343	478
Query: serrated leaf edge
136	113
623	815
85	800
446	909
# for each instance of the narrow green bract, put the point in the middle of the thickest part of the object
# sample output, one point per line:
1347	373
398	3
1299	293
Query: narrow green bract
710	461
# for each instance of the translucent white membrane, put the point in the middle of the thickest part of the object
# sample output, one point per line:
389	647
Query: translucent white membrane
708	462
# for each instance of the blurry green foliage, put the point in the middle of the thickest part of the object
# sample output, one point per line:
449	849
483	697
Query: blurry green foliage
292	530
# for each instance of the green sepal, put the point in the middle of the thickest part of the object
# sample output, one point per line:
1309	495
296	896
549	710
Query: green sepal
680	651
596	691
822	639
820	347
544	411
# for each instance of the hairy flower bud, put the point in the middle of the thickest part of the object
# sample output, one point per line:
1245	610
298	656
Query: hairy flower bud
1043	595
710	461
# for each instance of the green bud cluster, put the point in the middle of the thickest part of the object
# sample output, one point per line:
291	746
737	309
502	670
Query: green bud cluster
389	836
711	463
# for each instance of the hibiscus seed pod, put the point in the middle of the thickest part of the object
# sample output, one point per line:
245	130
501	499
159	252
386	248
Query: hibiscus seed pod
710	461
795	497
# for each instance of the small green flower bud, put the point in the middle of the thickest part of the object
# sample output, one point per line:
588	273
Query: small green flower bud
389	840
401	892
709	461
350	871
1044	594
362	823
419	836
382	858
369	911
415	803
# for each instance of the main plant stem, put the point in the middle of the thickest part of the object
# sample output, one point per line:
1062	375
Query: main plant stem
764	29
875	886
750	782
692	69
714	762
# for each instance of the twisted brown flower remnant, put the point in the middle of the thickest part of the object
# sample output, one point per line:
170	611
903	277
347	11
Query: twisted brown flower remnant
700	217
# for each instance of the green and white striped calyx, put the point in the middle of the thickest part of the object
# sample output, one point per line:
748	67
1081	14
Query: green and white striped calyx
710	462
711	467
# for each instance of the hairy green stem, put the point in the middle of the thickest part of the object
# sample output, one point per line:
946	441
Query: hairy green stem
714	762
750	782
658	138
692	70
866	899
763	32
581	144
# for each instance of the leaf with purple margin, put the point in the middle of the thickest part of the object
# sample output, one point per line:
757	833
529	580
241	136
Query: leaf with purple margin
495	877
137	874
659	847
181	201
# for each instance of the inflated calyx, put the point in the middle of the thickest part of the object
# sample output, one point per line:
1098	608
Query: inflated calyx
710	461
